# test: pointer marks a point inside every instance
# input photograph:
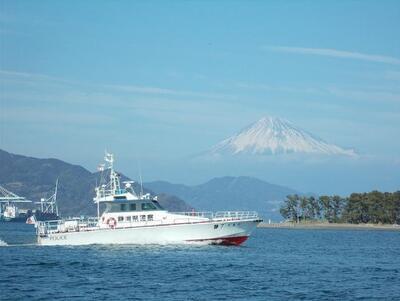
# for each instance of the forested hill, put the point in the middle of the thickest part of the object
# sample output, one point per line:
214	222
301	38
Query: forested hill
35	178
372	207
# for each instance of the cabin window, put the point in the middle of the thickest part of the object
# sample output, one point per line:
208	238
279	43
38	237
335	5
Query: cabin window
115	207
128	218
148	206
150	217
132	207
120	218
157	204
135	218
143	218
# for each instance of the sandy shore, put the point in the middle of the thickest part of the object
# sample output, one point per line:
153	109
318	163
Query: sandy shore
313	226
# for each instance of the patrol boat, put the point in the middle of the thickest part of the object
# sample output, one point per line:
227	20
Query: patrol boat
132	218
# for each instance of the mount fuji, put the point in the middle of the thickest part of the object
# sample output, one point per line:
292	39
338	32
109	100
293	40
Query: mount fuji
273	136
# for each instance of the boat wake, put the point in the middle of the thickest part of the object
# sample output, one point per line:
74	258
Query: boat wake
3	243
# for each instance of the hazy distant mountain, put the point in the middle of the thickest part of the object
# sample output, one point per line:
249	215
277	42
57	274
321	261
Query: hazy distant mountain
35	178
229	193
276	136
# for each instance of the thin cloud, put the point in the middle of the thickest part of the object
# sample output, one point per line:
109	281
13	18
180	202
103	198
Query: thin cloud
371	94
26	77
163	91
336	53
392	75
32	78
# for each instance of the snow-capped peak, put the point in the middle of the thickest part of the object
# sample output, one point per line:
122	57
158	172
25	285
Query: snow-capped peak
271	135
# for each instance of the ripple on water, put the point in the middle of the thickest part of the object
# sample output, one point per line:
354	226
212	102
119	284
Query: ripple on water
275	264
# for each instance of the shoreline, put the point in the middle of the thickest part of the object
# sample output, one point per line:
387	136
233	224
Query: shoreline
328	226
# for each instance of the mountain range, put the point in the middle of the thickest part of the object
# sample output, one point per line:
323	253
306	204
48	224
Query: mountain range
229	193
35	178
274	136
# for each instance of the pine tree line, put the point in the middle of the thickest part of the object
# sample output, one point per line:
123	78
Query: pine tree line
372	207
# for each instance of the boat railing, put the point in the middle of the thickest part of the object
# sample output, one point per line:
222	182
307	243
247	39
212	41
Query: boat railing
204	214
235	215
66	225
222	215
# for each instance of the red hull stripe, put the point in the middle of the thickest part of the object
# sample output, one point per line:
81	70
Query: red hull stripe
227	241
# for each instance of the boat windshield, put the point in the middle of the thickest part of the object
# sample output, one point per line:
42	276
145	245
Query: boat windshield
129	206
120	207
159	207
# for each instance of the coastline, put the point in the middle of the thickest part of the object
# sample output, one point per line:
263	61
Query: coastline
331	226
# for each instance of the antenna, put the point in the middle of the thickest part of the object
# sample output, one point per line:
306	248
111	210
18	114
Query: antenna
55	197
141	181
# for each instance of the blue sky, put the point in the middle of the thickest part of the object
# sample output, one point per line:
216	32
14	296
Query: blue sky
157	81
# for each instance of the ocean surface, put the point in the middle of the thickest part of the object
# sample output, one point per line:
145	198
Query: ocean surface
274	264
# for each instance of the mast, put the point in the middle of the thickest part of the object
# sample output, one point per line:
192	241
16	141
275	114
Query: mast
141	184
49	205
55	198
108	191
114	177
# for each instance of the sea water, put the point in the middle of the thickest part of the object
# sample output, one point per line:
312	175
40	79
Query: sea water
274	264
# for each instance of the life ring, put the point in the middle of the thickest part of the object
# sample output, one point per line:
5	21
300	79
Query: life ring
111	222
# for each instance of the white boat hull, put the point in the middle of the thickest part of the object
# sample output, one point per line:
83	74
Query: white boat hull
216	232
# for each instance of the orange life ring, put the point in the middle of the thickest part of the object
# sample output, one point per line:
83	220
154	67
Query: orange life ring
111	222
